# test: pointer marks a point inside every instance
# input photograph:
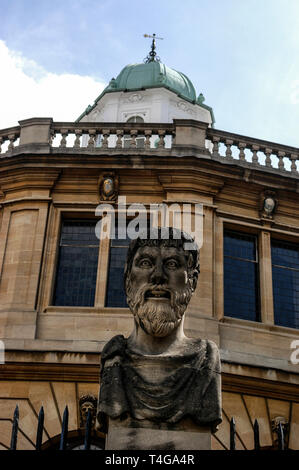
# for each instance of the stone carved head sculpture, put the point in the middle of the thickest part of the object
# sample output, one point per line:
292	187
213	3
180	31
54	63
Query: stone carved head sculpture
86	403
160	278
158	374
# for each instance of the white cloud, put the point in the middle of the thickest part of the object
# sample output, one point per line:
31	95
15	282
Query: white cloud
27	90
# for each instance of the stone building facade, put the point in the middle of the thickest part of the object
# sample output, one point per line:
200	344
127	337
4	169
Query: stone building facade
61	297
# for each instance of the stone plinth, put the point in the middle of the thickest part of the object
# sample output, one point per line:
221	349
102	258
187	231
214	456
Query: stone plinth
132	435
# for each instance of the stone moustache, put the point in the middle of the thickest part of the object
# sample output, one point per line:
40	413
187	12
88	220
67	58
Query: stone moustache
158	374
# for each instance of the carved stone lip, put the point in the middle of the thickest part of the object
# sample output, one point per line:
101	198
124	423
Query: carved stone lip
157	294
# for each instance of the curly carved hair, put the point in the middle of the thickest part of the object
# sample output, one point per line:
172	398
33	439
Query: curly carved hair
165	236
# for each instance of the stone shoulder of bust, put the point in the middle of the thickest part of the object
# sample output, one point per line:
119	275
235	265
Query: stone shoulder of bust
119	346
115	346
165	388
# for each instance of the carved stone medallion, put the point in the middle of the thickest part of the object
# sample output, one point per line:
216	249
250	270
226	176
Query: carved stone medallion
268	204
109	187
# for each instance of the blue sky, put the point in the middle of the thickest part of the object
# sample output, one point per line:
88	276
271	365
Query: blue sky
241	54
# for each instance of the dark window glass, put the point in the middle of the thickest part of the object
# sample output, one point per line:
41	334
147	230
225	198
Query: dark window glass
115	294
241	298
135	119
77	264
285	276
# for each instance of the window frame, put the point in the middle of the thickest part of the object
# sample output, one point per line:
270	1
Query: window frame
45	301
264	233
45	295
283	239
59	211
59	257
256	262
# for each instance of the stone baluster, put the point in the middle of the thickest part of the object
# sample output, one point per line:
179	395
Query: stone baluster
228	152
255	158
242	146
216	141
148	134
1	142
77	143
293	165
106	134
133	133
268	158
11	138
92	136
281	155
119	140
173	137
52	137
161	142
64	134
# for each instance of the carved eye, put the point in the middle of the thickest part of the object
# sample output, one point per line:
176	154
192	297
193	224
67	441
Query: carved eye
145	263
171	264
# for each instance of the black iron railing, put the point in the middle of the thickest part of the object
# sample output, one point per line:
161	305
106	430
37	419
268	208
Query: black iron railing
256	436
88	432
40	430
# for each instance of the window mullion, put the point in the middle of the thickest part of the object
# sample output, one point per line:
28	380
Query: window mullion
103	265
265	274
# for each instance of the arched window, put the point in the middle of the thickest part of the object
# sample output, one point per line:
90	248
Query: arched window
139	140
135	119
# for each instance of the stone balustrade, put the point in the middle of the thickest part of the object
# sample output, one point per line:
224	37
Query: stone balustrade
255	153
101	136
9	139
180	138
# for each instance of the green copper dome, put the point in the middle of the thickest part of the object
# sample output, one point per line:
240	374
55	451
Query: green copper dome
153	75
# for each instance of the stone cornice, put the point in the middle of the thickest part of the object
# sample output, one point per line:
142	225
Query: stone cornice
190	123
20	178
35	121
90	373
50	372
259	387
26	199
136	159
189	182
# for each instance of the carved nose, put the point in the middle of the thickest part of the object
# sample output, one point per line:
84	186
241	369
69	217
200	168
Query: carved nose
158	276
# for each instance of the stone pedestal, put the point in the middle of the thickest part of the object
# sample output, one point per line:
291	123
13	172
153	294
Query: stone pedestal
144	435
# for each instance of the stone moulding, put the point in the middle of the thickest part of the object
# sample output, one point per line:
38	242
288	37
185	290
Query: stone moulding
90	373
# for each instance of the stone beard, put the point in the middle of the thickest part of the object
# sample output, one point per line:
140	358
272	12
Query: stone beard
158	374
157	319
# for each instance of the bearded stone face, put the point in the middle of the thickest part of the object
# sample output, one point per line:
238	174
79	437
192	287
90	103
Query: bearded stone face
85	406
159	288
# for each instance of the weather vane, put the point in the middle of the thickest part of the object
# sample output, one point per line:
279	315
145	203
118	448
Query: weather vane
152	56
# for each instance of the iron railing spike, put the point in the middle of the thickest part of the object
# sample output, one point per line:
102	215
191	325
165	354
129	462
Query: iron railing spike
232	434
14	431
40	429
280	435
256	431
87	438
64	429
